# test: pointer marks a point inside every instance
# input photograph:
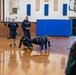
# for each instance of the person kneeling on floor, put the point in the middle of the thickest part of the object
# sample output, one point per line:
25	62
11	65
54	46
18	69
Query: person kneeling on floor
26	42
41	41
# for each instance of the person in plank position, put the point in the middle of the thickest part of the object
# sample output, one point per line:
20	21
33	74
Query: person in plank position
43	40
25	41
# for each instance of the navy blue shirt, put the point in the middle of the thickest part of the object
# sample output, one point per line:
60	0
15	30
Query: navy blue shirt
26	41
26	24
38	40
13	26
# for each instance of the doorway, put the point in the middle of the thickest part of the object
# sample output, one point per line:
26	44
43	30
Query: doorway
73	25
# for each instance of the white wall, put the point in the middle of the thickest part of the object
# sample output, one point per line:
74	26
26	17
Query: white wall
38	14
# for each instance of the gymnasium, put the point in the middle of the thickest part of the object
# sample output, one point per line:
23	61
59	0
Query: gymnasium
55	19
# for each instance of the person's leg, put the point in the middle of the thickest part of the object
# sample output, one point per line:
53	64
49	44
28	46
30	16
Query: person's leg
49	43
28	34
11	40
25	33
14	38
14	42
27	44
46	44
31	44
42	43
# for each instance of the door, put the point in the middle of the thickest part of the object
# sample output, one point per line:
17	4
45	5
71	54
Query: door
74	27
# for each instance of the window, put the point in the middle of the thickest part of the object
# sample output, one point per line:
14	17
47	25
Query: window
14	10
72	5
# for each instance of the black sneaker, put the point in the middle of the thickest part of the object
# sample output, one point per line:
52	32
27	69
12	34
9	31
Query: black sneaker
14	44
10	45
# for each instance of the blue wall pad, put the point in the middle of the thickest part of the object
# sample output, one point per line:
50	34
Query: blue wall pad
64	9
28	9
46	9
54	27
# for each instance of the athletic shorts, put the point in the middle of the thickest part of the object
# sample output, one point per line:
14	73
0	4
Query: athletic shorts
13	34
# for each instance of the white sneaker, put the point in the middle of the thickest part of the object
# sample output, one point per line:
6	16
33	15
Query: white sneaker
43	52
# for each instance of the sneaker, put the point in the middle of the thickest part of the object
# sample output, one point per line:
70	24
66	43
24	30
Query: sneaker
14	44
10	45
43	52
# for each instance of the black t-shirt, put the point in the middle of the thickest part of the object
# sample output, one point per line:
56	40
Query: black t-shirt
13	26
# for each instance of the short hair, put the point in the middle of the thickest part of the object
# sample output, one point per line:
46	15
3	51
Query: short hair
26	16
23	37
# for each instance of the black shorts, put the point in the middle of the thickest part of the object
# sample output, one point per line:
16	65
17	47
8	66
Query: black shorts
13	34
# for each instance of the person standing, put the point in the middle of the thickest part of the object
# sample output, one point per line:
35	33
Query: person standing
13	28
26	25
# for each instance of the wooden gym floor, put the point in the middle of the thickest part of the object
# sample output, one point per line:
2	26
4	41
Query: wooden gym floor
35	62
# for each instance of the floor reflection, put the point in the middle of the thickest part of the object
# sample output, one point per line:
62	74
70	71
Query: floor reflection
35	62
31	63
